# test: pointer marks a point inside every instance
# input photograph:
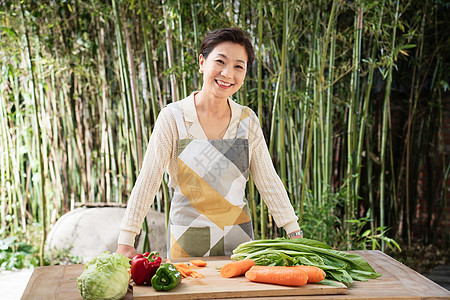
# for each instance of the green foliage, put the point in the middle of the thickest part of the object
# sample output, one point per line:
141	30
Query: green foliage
323	222
61	257
321	219
16	254
21	250
365	239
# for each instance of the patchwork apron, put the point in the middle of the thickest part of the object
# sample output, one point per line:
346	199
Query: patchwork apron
209	215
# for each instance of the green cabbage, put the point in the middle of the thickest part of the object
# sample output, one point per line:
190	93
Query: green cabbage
105	277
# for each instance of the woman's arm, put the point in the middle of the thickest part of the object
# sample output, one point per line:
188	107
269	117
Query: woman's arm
158	154
268	182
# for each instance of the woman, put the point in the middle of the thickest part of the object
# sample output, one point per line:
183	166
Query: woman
209	144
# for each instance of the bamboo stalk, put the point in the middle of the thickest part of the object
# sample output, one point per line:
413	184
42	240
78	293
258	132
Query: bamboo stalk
328	153
135	111
259	56
352	163
128	111
445	170
184	92
282	109
305	120
149	66
105	182
169	48
39	141
408	140
319	88
386	109
4	154
196	41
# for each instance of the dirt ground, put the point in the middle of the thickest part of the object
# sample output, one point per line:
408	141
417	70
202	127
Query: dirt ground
422	258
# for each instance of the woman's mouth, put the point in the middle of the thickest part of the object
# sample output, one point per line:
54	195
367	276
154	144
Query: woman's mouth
223	84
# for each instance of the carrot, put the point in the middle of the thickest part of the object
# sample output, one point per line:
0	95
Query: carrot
236	268
186	271
183	269
315	274
197	275
290	276
198	262
183	274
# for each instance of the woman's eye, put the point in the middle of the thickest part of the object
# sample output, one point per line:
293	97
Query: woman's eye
240	67
220	61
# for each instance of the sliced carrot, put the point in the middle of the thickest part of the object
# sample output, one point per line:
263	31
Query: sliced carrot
197	275
315	274
290	276
198	262
186	271
183	274
183	269
236	268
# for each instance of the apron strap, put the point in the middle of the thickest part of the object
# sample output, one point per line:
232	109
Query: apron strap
243	124
182	131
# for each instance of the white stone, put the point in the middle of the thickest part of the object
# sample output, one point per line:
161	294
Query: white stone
88	232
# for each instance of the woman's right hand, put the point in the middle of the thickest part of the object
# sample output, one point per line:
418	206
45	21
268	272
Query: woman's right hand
126	250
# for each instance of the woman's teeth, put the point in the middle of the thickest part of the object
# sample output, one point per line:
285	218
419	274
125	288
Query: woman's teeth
223	83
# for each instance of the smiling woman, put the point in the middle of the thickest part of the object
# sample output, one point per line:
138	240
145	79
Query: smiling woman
224	72
209	144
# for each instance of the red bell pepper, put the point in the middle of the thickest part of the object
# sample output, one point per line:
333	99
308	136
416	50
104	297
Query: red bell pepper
144	266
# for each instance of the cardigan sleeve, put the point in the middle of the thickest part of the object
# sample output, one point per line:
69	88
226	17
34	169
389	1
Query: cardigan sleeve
156	159
267	181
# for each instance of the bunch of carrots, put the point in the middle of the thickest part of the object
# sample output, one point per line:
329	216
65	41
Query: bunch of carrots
282	275
186	270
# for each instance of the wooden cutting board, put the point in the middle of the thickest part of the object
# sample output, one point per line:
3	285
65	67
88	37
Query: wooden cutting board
213	286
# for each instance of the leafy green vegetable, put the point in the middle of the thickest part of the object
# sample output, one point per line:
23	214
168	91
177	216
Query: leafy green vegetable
340	266
329	282
105	277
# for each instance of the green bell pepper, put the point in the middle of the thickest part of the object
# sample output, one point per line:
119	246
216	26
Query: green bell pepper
166	278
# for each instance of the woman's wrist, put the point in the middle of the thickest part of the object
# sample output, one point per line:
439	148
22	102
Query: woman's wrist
296	234
126	238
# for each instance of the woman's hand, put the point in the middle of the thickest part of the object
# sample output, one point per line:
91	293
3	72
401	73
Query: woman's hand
126	250
297	237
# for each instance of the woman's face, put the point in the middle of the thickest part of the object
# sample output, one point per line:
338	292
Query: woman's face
224	69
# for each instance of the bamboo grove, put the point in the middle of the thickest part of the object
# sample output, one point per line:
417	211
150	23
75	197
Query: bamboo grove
352	97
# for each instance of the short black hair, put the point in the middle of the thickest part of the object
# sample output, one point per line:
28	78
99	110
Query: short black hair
234	35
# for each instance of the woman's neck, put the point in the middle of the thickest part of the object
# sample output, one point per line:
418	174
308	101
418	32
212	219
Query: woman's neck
211	105
214	115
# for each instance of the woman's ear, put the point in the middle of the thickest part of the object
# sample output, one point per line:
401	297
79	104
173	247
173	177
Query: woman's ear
201	62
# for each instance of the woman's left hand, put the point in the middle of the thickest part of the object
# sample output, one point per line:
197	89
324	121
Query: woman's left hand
297	237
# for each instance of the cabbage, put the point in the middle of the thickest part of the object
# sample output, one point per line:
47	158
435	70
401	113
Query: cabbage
105	277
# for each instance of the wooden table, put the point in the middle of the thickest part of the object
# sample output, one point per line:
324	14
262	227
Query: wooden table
397	281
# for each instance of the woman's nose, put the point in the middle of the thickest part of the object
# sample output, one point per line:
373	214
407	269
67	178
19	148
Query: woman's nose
227	72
